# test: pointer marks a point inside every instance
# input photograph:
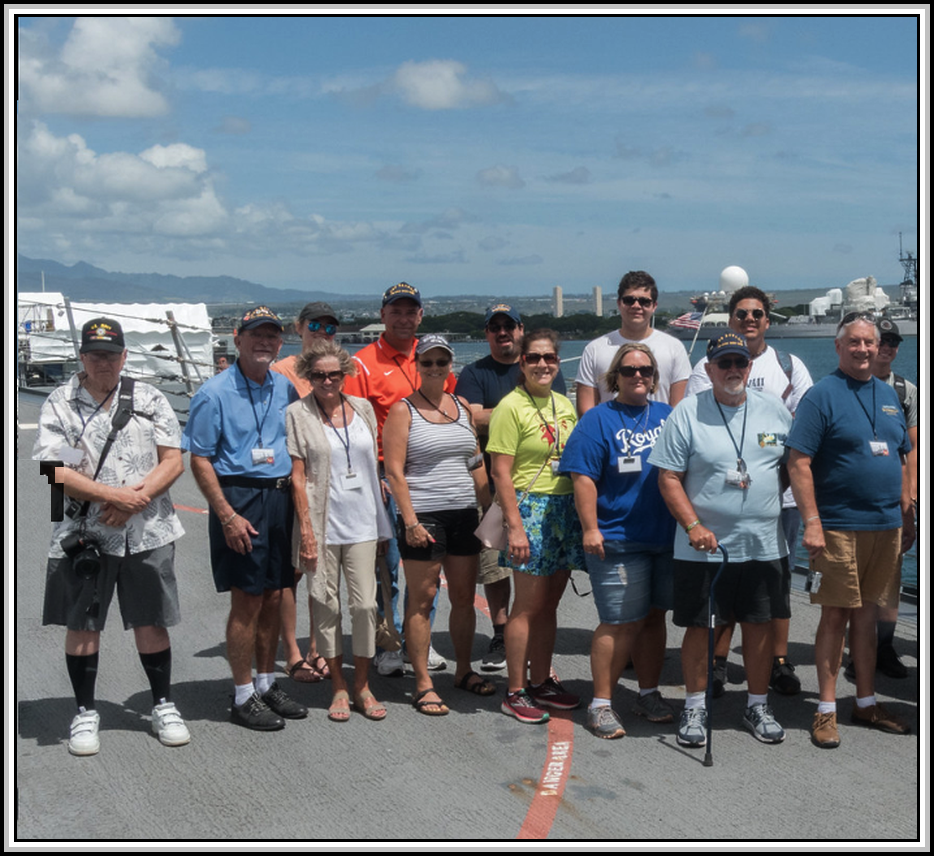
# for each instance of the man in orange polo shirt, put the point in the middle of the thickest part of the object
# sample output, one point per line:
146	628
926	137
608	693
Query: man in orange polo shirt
386	373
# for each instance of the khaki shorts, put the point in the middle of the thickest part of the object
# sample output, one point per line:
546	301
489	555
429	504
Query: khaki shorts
859	568
490	569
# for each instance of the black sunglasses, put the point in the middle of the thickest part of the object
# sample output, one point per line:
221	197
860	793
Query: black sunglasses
501	328
535	359
321	377
726	363
632	371
315	326
743	314
427	364
630	300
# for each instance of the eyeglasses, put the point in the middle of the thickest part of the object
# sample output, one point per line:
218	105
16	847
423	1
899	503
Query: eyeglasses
427	364
743	314
321	377
631	300
632	371
315	326
850	317
737	362
104	356
535	359
500	328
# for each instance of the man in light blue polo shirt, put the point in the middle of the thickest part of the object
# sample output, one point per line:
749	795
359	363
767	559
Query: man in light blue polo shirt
236	436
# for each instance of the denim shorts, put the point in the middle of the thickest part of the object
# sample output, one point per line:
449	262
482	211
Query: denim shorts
556	541
631	579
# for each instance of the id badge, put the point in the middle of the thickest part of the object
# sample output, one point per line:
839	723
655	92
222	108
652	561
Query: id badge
70	455
625	464
263	456
879	448
351	481
738	479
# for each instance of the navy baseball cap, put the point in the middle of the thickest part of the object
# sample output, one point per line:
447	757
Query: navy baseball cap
502	309
258	316
727	343
400	291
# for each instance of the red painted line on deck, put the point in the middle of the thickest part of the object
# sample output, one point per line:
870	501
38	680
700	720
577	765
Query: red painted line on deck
550	790
541	814
189	508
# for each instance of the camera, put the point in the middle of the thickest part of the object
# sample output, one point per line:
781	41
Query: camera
85	554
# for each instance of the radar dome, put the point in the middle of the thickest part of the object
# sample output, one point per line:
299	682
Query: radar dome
733	277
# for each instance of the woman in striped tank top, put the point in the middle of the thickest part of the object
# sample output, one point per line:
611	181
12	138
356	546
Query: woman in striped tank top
436	475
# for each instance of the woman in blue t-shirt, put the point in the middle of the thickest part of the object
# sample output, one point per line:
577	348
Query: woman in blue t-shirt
628	536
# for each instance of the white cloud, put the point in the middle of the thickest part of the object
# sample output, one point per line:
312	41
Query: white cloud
440	84
501	176
176	155
107	67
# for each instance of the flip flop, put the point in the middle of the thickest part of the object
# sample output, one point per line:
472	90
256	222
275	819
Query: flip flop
322	670
338	712
481	686
422	706
367	704
303	672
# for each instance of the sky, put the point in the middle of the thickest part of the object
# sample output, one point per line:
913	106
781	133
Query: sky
470	155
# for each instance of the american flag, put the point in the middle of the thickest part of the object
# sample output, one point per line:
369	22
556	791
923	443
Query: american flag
690	320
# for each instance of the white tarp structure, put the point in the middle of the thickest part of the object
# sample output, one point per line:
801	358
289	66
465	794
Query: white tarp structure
45	335
862	295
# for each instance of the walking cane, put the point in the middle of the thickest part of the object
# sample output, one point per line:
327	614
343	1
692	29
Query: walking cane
711	618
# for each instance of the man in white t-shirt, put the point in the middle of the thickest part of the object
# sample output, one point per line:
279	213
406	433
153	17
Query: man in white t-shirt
637	299
786	377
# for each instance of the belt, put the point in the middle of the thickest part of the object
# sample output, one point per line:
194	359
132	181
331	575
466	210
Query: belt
283	484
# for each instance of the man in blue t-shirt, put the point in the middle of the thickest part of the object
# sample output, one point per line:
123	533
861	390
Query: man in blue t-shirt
848	471
236	436
483	384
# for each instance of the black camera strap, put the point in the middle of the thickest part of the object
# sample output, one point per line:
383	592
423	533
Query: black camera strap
118	423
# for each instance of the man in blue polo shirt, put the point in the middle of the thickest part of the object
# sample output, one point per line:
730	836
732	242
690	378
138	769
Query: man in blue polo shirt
236	436
848	471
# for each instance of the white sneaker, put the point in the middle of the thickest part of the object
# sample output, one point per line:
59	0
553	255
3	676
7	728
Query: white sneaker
389	664
84	728
436	663
168	725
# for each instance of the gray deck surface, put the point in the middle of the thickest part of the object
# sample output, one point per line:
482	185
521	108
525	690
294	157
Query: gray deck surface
470	776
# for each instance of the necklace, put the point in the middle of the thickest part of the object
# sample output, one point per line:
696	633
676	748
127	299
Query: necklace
437	407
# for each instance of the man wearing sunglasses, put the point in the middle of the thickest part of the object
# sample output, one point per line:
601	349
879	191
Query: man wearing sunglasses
721	456
386	373
483	385
637	301
786	377
848	468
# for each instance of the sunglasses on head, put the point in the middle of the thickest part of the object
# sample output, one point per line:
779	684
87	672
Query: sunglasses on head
315	326
550	359
727	363
631	300
321	377
427	364
850	317
632	371
743	314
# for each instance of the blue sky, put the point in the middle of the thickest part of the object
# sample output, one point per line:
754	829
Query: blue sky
484	155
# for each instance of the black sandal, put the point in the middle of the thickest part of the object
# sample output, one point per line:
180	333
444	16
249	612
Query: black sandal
480	687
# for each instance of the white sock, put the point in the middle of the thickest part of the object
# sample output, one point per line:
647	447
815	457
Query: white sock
752	699
242	693
868	701
827	707
599	702
264	680
695	700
